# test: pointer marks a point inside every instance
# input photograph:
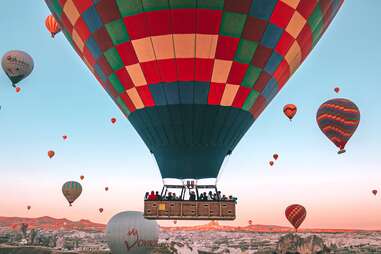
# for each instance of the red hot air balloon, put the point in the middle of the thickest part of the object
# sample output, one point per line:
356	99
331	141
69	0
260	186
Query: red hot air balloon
51	154
275	156
28	207
18	89
52	25
290	110
295	214
100	210
374	192
113	120
81	177
271	163
338	119
337	89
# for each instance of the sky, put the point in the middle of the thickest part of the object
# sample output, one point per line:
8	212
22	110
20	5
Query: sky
61	97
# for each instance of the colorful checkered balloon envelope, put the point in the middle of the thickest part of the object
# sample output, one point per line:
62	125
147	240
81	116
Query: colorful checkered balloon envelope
193	75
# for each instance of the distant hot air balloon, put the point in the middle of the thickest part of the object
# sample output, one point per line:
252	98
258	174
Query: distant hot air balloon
290	110
18	89
338	120
106	188
28	207
113	120
17	65
100	210
82	177
337	89
271	163
275	156
129	232
52	25
250	222
374	192
71	190
64	137
192	76
51	154
296	214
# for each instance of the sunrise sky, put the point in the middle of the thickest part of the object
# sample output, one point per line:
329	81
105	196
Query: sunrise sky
62	97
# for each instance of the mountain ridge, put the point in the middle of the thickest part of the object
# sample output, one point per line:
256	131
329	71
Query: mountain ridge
50	223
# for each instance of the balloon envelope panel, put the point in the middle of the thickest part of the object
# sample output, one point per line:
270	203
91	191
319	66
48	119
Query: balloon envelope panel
129	232
192	76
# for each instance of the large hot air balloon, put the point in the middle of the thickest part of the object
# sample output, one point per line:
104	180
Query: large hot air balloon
338	120
129	232
52	25
17	65
192	76
71	190
290	110
296	214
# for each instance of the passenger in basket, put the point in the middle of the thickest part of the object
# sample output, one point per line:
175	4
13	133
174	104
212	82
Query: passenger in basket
169	197
158	197
152	196
174	196
224	198
146	196
192	196
210	195
205	198
201	197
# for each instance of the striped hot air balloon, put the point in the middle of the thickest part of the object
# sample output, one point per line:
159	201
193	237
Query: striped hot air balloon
71	190
192	76
52	25
296	214
338	119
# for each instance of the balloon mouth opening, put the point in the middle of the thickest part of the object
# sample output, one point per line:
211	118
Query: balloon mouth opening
341	151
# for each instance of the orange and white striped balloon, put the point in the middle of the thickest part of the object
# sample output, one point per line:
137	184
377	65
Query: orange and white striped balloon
52	25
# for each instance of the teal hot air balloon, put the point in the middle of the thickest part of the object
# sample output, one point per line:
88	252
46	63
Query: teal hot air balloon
192	76
17	65
71	190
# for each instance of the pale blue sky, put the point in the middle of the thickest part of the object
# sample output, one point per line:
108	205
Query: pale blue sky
62	97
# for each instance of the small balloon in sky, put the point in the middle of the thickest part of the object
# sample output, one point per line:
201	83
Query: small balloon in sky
18	89
271	163
64	137
82	177
296	214
52	25
100	210
250	222
374	192
113	120
337	89
275	156
17	65
338	119
106	188
28	207
290	110
51	154
71	190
